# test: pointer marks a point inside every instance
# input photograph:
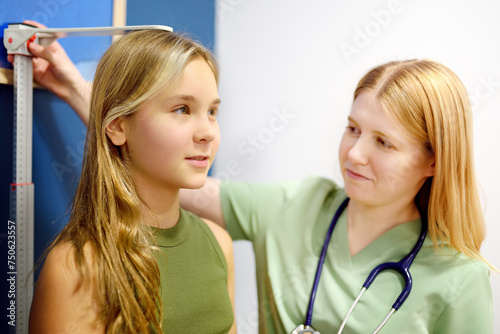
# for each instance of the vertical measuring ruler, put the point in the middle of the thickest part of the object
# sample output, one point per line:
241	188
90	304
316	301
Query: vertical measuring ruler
16	39
22	190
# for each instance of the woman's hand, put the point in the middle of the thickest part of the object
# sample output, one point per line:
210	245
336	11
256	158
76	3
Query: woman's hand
53	70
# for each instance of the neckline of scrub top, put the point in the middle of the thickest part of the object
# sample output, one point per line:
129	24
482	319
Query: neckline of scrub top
173	236
391	246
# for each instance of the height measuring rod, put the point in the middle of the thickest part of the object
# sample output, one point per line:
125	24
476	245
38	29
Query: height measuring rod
16	40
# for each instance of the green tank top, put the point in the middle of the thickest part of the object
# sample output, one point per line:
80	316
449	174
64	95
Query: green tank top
193	278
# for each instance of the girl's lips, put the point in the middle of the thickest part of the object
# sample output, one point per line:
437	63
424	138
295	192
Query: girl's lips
355	176
198	161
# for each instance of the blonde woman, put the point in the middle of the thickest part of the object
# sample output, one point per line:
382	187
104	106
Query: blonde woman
406	158
130	260
407	162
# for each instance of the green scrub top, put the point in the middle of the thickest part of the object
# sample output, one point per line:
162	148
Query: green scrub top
287	223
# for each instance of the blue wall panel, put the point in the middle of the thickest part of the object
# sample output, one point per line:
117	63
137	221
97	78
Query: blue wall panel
58	134
195	17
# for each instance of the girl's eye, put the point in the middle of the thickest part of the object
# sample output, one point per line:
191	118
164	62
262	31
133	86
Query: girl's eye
212	112
353	130
182	110
384	143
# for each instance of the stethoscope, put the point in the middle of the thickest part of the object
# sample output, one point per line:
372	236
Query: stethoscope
402	267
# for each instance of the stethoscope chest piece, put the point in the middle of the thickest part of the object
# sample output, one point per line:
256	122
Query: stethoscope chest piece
301	329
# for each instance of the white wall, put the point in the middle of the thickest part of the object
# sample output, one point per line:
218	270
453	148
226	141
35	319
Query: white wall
289	68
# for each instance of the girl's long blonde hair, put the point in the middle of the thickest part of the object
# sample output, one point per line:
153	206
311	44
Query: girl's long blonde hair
121	267
432	105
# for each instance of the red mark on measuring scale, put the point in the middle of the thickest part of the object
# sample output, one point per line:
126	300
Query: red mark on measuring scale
14	185
10	40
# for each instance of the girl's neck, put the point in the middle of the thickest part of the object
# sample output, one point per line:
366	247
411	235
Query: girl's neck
366	223
162	210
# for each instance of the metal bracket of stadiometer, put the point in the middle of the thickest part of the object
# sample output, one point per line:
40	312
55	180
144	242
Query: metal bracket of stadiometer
16	39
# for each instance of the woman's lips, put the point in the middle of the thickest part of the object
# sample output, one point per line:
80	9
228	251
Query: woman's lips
355	176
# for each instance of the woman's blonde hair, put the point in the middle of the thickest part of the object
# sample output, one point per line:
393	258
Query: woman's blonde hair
431	103
122	269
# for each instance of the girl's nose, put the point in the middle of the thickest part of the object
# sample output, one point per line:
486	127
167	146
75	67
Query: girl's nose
206	130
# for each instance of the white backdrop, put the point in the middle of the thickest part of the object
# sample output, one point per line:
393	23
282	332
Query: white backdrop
289	68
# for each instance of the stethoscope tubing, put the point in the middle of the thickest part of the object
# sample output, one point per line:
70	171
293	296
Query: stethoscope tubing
402	267
322	261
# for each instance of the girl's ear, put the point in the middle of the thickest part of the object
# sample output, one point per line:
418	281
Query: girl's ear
116	131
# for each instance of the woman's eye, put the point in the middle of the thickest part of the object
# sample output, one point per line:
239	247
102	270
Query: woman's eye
212	112
384	143
182	110
352	129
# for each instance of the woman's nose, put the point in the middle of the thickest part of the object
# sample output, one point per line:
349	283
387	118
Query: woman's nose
359	151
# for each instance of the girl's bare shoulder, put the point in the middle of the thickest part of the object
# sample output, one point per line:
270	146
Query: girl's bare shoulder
62	302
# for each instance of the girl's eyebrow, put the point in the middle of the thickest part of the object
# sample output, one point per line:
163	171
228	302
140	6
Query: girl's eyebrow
191	98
